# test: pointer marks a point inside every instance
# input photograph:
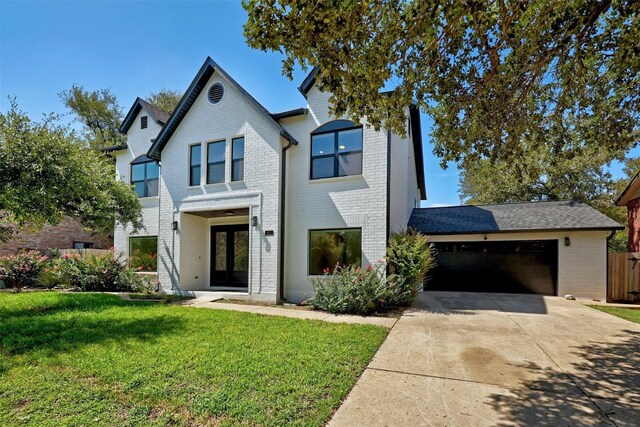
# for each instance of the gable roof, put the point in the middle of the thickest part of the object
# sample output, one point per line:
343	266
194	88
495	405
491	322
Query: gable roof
629	191
509	217
157	115
308	82
190	96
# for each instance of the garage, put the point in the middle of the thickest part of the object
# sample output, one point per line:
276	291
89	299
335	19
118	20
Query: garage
548	248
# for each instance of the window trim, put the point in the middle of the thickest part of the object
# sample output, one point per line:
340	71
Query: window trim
336	154
244	142
135	162
223	162
309	231
190	166
131	238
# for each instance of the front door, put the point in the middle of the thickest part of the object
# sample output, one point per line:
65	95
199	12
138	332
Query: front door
230	256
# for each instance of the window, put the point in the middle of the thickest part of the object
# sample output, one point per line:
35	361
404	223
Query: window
215	162
83	245
330	247
144	176
194	165
237	159
143	122
336	150
143	253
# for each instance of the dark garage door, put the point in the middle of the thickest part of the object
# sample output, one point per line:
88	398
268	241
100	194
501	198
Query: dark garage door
514	267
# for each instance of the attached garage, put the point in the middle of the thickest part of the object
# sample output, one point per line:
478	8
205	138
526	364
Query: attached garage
549	248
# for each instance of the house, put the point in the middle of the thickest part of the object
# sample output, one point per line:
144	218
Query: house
254	204
240	200
630	198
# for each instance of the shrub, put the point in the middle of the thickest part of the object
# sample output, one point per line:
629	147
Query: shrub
410	256
350	289
21	269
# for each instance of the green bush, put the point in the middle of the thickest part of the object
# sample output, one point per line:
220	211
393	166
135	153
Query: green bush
410	256
21	269
350	289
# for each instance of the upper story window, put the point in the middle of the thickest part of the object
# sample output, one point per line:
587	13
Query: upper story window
143	122
215	162
145	173
237	159
194	164
336	150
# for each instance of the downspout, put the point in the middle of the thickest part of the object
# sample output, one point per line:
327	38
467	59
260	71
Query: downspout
283	188
388	233
609	237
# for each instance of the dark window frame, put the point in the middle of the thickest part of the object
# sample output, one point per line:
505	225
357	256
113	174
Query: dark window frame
192	166
325	230
145	179
144	122
233	159
222	162
336	127
85	245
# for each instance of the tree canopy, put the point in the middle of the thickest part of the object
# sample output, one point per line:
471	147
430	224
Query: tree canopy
47	173
495	76
165	99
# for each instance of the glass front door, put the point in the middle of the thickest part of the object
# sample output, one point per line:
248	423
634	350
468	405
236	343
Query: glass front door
230	256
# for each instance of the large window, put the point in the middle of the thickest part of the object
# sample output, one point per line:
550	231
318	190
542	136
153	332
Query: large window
336	150
330	247
144	176
143	253
215	162
194	164
237	159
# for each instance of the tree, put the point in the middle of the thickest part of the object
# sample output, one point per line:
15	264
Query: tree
47	173
100	114
488	72
165	99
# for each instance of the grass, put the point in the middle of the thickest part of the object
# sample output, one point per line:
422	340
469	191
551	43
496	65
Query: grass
633	315
94	359
161	298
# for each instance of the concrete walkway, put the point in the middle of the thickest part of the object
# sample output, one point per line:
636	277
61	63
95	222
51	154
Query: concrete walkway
206	302
464	359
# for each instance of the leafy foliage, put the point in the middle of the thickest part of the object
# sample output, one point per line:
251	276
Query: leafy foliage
100	114
48	174
496	77
165	99
410	256
21	269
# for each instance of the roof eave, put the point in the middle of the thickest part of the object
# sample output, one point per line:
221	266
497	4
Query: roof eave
416	136
525	230
634	184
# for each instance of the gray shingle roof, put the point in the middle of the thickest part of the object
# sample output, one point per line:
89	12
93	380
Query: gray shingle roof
556	215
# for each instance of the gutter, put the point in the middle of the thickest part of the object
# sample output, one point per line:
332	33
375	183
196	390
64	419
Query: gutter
283	187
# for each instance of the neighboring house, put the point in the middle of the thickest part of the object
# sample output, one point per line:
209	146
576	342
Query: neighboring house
630	198
255	204
233	175
69	234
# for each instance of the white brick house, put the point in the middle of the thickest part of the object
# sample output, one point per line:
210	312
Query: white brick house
253	204
227	166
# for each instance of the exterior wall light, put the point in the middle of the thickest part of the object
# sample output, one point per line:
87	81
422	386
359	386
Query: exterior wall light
254	221
567	241
174	225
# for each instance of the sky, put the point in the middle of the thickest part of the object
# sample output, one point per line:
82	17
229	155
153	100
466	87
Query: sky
134	48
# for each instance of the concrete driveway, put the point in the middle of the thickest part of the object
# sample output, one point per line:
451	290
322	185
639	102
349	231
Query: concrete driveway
475	359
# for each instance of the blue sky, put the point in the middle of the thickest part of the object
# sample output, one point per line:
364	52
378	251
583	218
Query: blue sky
137	47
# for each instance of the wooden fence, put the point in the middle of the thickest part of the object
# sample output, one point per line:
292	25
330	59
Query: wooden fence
624	277
85	252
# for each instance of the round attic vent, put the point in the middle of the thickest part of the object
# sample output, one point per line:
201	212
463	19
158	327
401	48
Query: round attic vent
216	92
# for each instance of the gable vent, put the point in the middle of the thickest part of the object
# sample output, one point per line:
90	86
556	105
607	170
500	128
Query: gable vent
143	122
216	92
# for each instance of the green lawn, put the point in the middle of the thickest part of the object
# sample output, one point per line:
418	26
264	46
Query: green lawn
625	313
94	359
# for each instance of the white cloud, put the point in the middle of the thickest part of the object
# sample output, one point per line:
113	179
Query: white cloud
439	205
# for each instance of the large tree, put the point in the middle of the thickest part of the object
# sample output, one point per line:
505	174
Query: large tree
48	173
489	73
165	99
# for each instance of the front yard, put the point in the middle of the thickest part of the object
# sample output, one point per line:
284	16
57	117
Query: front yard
630	314
94	359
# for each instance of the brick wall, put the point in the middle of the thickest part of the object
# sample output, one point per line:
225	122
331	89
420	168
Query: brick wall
633	217
61	236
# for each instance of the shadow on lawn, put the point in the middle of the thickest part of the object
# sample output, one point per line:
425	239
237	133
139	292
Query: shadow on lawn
609	375
72	321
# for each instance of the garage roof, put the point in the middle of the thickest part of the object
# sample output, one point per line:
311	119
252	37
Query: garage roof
530	216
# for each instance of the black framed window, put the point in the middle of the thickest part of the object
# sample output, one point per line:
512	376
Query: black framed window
145	173
237	159
83	245
330	247
215	162
336	150
194	164
143	253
